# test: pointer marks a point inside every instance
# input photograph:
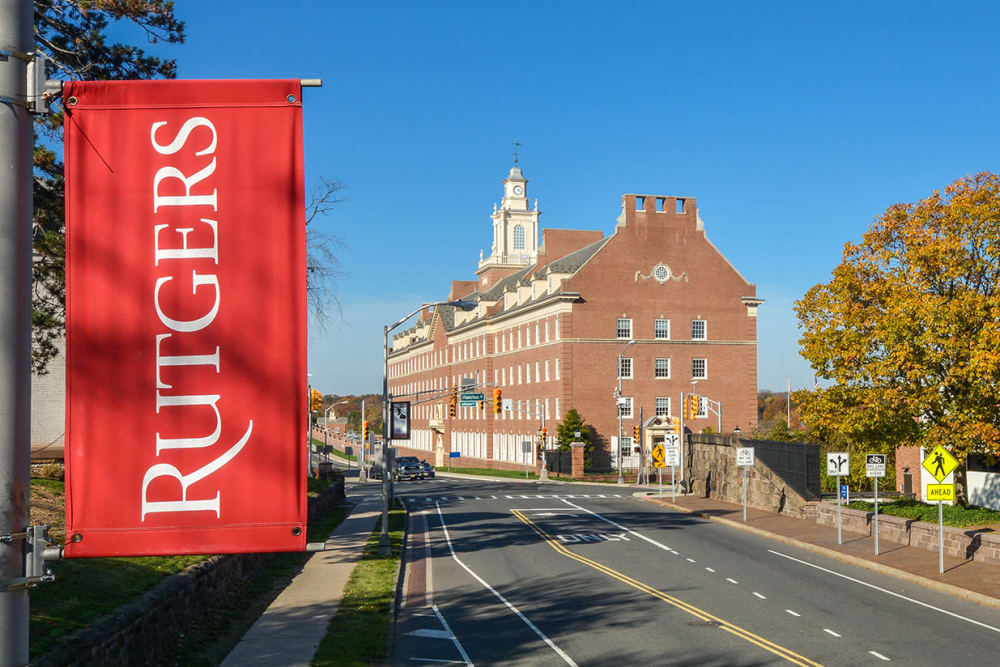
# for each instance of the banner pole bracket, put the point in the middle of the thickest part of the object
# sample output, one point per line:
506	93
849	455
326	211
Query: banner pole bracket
38	550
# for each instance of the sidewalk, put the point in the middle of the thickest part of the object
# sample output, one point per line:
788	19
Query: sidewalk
967	579
290	630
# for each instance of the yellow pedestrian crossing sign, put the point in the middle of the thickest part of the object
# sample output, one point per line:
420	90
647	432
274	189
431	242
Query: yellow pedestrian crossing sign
940	463
659	457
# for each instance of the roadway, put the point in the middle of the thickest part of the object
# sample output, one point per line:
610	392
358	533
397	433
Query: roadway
550	573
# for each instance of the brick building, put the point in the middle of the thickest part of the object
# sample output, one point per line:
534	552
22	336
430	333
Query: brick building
551	321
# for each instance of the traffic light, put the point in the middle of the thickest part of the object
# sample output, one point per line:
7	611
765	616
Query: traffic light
545	432
453	402
675	425
316	400
636	434
497	401
364	431
693	405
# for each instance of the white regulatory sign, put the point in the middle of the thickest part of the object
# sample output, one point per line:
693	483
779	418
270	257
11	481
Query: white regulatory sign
875	465
507	404
672	456
837	464
744	457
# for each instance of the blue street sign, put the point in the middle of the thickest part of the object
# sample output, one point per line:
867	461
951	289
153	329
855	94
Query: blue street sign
454	455
843	491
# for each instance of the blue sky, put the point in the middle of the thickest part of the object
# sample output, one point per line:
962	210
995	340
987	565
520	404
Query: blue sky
794	124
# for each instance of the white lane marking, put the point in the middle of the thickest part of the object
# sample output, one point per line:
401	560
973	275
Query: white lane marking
571	496
493	497
620	527
830	632
616	496
508	496
793	613
522	496
691	560
732	581
887	592
879	656
460	498
710	570
762	597
458	645
601	495
429	632
443	662
451	548
538	495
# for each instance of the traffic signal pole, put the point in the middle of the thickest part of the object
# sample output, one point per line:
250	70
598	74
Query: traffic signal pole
16	41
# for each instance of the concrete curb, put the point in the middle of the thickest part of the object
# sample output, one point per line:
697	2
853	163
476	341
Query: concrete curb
938	586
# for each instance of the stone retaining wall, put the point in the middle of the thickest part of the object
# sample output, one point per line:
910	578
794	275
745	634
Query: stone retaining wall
138	632
978	544
710	470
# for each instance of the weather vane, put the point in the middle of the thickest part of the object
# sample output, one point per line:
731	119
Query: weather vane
516	144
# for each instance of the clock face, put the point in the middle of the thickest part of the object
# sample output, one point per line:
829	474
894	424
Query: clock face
518	190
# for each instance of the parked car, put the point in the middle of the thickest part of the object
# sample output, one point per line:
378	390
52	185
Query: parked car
408	467
428	469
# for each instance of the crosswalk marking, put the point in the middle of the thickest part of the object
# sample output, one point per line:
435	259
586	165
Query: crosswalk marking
431	499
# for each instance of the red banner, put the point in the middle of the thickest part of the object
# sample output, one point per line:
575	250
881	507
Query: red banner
185	318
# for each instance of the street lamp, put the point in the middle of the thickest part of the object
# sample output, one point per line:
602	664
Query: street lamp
326	431
384	545
618	406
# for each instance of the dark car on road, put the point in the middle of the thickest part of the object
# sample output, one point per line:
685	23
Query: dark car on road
408	467
428	469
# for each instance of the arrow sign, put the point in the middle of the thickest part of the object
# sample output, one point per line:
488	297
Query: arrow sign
837	464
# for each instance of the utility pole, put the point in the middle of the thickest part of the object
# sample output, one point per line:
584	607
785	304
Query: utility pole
16	41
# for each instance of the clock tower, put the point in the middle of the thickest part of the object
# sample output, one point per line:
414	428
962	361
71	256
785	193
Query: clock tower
515	227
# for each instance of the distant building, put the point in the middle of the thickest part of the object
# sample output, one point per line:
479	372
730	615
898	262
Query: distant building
552	320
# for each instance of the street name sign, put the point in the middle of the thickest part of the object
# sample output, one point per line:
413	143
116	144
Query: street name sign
940	492
875	465
472	397
744	457
467	404
837	464
940	463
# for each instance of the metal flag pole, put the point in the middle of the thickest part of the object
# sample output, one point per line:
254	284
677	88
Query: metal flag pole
16	41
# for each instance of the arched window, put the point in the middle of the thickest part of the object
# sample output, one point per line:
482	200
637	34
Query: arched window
518	237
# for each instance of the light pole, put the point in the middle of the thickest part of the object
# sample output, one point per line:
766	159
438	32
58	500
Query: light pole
618	406
384	545
326	431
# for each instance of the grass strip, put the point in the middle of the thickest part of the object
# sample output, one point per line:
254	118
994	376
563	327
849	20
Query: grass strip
220	630
954	515
358	633
336	452
519	474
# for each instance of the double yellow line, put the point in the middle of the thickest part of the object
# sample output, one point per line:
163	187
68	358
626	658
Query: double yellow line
742	633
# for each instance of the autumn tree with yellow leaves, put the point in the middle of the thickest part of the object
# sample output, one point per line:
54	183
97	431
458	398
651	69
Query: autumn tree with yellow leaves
908	329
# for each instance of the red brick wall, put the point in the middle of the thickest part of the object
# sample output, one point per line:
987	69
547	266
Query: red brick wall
908	457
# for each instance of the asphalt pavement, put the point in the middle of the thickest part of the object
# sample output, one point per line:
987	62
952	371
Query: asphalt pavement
501	572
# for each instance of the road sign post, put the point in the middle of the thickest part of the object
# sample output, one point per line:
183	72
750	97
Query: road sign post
526	450
672	458
875	468
940	463
836	463
744	459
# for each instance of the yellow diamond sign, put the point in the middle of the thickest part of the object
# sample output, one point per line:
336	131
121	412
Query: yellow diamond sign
940	463
659	457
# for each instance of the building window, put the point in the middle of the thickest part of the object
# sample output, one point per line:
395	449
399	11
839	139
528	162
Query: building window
538	371
557	368
662	406
547	330
557	407
527	337
519	375
625	408
661	368
557	328
519	345
624	367
547	378
503	377
699	369
538	338
624	328
661	329
626	446
518	237
698	330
